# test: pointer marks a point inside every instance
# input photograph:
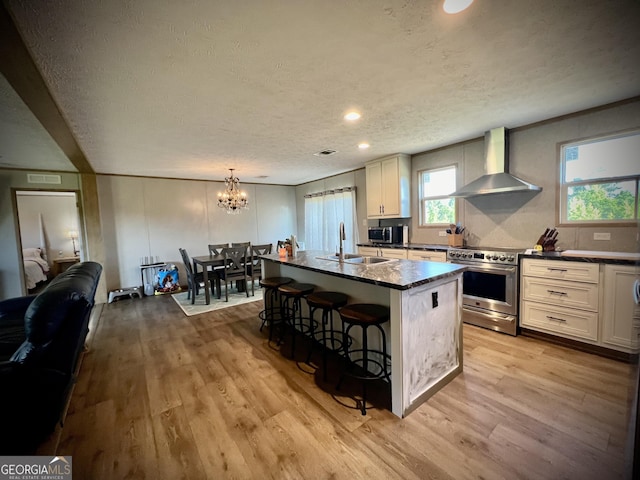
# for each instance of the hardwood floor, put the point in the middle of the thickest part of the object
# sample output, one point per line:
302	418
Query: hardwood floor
164	396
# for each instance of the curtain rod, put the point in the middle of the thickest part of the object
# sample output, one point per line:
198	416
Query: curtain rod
330	192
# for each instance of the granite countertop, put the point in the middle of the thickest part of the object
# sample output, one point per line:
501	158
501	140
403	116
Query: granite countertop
591	256
396	274
410	246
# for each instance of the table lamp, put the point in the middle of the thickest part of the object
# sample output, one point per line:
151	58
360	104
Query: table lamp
73	235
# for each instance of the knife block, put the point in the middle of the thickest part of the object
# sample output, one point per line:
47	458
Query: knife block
455	239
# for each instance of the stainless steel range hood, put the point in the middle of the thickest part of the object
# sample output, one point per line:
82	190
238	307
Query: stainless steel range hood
497	178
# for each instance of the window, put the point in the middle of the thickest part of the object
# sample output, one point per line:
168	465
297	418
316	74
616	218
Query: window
599	180
436	206
323	213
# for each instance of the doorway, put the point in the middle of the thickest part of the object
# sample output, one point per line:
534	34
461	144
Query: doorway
50	234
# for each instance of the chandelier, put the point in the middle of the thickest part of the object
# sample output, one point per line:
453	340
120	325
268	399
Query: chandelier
232	199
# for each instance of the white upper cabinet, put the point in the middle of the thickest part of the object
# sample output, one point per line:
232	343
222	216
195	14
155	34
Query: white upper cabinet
389	187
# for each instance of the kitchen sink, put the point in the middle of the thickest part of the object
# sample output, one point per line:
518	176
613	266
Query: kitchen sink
369	260
335	258
358	259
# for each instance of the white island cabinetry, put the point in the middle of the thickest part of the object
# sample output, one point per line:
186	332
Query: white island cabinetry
424	334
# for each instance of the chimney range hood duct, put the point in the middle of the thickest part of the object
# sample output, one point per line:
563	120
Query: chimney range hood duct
497	178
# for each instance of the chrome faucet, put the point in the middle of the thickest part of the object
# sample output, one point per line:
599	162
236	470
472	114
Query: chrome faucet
343	237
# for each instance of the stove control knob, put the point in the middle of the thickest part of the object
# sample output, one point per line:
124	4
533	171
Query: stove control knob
511	258
502	258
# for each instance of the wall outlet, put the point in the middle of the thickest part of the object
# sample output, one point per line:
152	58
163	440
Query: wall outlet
442	233
602	236
364	222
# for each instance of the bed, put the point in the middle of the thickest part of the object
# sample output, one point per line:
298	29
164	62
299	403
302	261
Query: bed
36	268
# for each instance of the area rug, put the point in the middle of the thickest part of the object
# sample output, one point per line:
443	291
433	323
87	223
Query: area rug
199	307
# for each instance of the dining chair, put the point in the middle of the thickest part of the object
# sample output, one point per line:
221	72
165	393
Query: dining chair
256	263
241	244
216	248
236	267
193	279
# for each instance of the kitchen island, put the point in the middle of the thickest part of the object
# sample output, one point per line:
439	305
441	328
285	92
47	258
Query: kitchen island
424	333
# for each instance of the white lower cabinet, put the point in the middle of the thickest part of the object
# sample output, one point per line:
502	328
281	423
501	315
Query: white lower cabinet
369	251
620	314
561	298
425	255
394	253
567	322
587	302
383	252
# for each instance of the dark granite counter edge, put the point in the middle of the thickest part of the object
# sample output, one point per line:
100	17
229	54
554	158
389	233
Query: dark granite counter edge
381	283
558	256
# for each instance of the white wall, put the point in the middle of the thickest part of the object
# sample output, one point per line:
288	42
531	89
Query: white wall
517	220
11	270
59	215
154	217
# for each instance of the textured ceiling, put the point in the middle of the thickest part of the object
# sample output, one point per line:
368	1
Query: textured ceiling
190	89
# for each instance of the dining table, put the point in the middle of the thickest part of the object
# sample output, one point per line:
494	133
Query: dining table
207	261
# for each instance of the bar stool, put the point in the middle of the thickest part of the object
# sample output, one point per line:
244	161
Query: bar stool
291	306
365	315
327	302
272	313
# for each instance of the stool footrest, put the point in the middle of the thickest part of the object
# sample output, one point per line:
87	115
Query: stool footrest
332	337
362	373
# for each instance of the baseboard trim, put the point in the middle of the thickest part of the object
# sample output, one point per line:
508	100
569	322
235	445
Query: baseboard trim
584	347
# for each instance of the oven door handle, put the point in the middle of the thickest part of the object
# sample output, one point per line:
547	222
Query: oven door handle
489	268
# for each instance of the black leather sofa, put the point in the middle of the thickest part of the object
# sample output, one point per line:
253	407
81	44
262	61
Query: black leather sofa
41	339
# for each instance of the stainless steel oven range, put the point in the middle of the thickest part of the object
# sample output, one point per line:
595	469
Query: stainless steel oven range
490	287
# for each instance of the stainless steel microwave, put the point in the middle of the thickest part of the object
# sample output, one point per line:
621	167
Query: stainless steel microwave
396	235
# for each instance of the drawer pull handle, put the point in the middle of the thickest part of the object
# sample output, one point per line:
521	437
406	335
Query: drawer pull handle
556	269
556	318
556	292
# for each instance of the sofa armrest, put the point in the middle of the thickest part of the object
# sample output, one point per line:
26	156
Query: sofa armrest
12	310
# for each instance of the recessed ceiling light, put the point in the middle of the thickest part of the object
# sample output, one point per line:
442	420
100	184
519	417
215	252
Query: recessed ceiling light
351	116
363	146
456	6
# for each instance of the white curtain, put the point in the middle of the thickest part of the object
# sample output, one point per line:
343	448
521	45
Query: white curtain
322	216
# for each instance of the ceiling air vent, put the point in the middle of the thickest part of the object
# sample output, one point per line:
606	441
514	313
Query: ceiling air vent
41	178
324	153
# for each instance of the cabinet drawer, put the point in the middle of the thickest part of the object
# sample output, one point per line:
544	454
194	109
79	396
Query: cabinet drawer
427	256
369	251
567	322
577	271
393	253
561	293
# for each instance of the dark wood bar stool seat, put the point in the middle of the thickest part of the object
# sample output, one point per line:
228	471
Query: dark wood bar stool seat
272	313
365	364
291	295
329	338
